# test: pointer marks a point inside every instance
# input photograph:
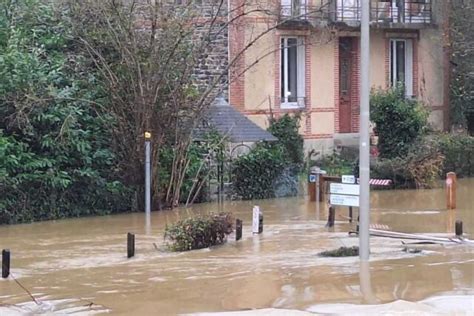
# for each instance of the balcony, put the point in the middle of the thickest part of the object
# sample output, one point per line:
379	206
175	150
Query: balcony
383	13
300	14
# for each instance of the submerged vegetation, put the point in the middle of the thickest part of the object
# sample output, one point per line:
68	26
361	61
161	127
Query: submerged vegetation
341	252
199	232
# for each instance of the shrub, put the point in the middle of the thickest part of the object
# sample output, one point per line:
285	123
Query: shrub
336	164
200	232
255	174
420	167
56	156
286	129
458	151
271	169
399	121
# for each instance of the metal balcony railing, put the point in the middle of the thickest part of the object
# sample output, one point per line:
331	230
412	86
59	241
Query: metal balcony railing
304	10
384	11
349	11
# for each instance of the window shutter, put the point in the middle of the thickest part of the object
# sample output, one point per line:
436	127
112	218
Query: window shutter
301	72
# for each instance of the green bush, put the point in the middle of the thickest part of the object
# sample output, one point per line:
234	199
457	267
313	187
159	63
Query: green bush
399	121
458	151
56	159
200	232
255	174
419	168
271	169
336	164
286	129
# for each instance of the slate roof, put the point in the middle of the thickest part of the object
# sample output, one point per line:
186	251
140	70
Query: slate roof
228	122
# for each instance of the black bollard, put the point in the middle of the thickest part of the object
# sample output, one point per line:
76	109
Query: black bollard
238	229
5	263
350	214
458	228
260	223
331	216
130	245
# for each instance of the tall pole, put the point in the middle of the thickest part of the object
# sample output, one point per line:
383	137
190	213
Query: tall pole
364	156
147	174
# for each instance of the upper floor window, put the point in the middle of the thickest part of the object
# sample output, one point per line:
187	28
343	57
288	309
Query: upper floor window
292	74
293	8
401	64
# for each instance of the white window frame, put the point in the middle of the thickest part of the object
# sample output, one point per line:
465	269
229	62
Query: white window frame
292	8
408	65
301	78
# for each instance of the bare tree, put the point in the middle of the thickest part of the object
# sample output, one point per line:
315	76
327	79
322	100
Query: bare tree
153	57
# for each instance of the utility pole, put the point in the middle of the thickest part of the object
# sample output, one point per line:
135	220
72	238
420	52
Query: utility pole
364	145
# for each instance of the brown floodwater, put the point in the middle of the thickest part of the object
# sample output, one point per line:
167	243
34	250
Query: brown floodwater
79	266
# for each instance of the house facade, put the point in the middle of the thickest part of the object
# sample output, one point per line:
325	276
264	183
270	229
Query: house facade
303	56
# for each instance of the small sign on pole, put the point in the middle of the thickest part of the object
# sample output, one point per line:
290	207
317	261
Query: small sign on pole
312	178
348	179
255	219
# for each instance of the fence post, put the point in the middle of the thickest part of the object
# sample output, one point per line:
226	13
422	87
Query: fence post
5	263
130	245
238	229
331	216
451	181
458	228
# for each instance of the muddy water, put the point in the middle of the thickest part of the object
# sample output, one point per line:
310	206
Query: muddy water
69	264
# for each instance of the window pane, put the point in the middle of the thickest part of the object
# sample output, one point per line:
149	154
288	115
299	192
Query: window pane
400	47
292	70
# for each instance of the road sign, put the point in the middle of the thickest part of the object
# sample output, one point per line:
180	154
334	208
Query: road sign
341	188
348	179
312	178
344	200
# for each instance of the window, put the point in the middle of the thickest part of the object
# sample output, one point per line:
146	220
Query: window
401	64
292	72
293	8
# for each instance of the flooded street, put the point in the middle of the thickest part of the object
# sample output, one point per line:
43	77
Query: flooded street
80	265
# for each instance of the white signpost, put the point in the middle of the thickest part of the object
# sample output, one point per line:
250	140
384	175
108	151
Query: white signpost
346	189
345	194
255	219
344	200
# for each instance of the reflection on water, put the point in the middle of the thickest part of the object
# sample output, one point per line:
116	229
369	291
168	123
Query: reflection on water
70	263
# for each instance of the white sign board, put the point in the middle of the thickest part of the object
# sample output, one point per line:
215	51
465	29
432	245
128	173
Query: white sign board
344	200
341	188
312	178
255	218
348	179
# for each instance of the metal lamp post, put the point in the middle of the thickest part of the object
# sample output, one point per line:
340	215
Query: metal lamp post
364	150
147	174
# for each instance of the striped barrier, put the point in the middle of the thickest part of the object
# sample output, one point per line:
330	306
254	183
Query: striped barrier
378	182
